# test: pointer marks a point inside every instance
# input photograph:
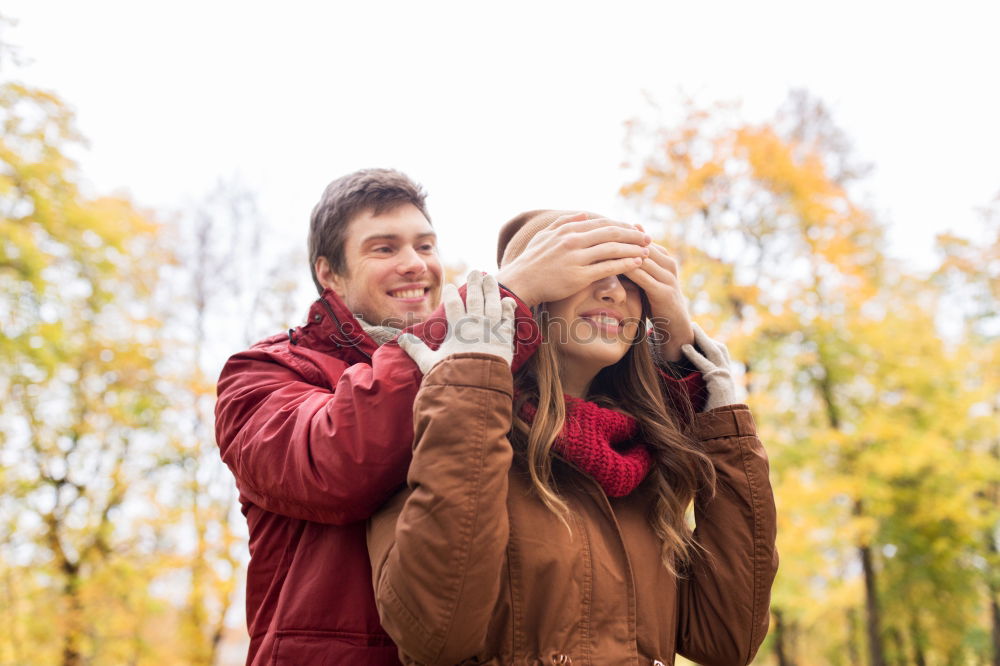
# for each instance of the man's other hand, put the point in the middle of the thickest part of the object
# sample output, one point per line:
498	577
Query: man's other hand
483	324
668	308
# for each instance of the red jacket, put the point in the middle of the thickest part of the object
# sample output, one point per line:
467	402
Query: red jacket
317	427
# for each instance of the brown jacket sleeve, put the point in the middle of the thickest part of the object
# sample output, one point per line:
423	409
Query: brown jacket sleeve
724	601
437	549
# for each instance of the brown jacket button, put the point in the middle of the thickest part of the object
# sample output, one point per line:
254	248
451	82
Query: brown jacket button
562	659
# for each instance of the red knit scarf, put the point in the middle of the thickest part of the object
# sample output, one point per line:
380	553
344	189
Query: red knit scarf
589	440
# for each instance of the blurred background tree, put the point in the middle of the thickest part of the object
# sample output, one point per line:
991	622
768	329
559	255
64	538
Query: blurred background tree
121	539
81	398
879	427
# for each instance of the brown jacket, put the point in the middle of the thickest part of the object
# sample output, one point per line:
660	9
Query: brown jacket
469	567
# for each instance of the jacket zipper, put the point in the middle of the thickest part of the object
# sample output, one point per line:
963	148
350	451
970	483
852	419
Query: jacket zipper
597	493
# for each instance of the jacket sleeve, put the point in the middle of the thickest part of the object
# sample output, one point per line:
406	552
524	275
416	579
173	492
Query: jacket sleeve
437	550
725	598
683	389
683	386
301	449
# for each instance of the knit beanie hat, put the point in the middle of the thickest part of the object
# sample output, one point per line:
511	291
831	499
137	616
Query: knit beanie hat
516	234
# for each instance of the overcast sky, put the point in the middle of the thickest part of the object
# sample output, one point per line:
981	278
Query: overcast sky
509	106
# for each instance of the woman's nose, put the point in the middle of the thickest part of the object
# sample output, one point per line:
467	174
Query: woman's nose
610	289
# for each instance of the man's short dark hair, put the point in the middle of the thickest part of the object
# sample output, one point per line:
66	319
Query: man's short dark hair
369	190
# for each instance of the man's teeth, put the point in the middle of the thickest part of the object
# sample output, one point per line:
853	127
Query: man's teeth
407	293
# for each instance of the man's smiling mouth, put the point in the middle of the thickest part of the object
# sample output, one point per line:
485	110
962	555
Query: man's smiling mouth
409	293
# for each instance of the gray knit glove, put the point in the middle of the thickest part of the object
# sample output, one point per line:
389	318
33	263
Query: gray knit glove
484	324
714	366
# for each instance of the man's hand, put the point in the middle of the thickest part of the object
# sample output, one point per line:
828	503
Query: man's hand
671	322
571	253
484	323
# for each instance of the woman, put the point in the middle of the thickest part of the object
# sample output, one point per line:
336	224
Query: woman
544	520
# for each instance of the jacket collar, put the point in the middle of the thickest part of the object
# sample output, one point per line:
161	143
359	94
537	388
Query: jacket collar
332	328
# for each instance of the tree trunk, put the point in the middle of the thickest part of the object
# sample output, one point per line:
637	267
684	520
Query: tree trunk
74	616
995	607
781	641
876	650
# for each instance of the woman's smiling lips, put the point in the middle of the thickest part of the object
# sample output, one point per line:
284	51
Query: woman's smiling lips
609	321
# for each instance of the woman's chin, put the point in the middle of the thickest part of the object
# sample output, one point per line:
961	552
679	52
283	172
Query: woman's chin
598	357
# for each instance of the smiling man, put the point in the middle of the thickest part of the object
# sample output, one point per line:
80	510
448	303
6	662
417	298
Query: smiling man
316	423
387	270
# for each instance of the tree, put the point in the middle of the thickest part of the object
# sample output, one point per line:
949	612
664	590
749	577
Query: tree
120	531
80	397
970	271
854	391
218	294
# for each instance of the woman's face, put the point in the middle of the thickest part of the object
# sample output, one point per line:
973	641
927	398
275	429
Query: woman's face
593	329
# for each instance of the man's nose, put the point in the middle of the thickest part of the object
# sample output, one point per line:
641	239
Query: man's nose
410	261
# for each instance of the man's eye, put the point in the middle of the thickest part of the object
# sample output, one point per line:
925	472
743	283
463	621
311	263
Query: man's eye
426	247
382	249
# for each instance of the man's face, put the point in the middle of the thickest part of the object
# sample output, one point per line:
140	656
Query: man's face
393	272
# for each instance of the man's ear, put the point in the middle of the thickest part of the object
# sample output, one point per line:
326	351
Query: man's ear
327	278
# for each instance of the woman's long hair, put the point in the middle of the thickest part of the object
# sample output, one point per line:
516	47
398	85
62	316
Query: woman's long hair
633	386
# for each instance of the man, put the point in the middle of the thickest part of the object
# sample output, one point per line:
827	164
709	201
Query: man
316	424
